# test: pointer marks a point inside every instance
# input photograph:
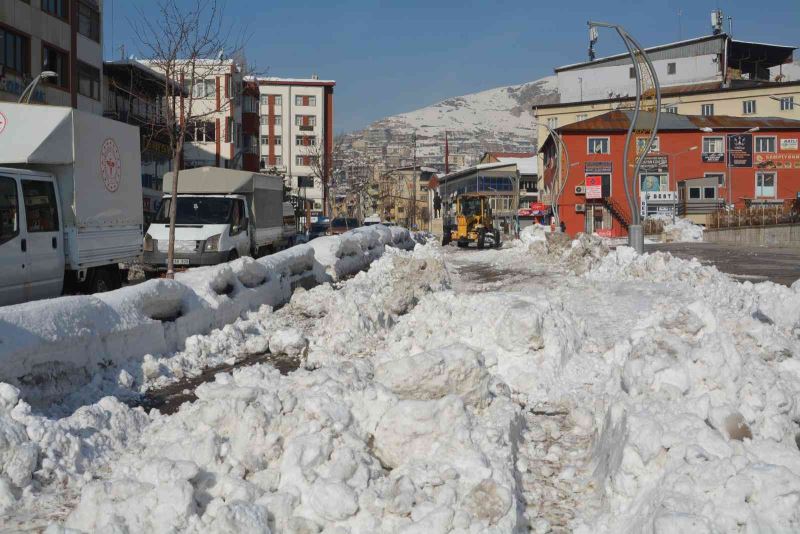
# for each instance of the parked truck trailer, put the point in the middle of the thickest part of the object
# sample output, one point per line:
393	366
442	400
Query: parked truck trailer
221	214
70	201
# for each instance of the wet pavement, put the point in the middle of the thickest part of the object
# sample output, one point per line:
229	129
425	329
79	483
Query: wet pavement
753	263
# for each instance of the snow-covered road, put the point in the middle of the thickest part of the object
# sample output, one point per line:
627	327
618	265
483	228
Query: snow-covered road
547	386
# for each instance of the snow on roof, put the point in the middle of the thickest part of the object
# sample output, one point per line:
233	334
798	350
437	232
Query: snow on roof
274	80
467	170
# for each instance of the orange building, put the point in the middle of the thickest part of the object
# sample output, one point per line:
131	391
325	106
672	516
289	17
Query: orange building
697	165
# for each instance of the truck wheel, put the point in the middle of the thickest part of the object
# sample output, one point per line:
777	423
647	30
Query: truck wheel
233	255
481	238
102	280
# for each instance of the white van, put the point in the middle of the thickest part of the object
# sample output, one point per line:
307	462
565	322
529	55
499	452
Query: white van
221	214
70	201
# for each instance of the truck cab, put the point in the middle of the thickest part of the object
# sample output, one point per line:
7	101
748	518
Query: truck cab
209	229
31	237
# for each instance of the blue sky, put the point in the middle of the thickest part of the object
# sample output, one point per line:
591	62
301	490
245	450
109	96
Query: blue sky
388	57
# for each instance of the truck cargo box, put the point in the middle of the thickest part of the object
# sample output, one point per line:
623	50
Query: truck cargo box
97	165
264	192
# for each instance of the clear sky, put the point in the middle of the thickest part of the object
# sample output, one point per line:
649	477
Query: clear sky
388	57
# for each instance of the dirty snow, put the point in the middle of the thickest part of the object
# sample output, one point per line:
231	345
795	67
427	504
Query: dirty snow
552	385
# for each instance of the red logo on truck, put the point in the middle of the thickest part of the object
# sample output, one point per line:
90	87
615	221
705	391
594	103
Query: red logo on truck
110	165
3	122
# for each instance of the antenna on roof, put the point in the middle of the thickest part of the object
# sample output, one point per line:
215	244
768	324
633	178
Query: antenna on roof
717	19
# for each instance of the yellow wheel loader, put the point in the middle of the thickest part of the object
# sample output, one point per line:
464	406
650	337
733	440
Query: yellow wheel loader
473	222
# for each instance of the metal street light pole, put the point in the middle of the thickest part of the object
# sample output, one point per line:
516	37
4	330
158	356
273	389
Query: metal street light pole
632	189
558	183
28	92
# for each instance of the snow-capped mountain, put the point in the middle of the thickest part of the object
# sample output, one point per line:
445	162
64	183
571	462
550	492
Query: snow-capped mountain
498	119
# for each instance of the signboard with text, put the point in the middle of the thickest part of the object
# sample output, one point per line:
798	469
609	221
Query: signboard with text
713	157
594	187
598	167
740	150
788	144
655	164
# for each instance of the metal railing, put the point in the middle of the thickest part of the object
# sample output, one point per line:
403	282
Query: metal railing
788	213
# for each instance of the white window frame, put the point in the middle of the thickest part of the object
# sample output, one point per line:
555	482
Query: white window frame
276	120
760	174
265	140
774	144
787	103
656	146
205	92
589	142
671	109
581	117
703	109
278	161
699	193
552	122
751	105
298	161
721	140
717	176
277	140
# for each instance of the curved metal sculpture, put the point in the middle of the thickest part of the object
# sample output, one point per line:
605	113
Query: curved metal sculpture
648	98
562	170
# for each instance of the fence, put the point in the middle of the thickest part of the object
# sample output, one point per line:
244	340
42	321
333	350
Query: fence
754	216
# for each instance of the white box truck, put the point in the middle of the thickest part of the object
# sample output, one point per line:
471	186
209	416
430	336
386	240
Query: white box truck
70	201
221	214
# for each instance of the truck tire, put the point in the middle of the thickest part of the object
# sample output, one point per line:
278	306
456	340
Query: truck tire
103	280
481	238
233	255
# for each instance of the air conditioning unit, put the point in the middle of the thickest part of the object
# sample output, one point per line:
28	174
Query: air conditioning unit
580	189
580	208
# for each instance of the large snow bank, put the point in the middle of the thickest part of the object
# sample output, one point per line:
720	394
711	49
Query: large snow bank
682	230
54	346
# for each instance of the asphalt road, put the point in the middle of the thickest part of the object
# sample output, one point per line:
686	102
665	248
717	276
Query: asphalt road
757	264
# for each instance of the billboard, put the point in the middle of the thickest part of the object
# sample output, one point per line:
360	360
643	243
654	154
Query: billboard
654	164
740	150
305	181
594	187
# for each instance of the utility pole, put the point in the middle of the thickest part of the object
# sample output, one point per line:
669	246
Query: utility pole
414	183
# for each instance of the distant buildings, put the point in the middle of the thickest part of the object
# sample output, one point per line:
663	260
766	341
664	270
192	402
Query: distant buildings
61	36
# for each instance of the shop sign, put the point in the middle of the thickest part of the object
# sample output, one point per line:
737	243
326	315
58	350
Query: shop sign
740	150
713	157
655	164
788	144
598	167
778	160
305	181
594	187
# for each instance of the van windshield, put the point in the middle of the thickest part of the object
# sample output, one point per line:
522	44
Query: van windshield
198	210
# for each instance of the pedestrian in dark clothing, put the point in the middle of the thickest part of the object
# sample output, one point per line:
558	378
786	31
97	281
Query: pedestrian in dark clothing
437	206
563	227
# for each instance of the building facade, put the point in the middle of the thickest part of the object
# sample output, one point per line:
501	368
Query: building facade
697	165
61	36
499	181
405	196
710	75
296	134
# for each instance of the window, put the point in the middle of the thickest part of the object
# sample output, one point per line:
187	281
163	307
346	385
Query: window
749	107
672	68
205	88
41	210
264	162
14	52
305	140
598	145
710	192
552	122
88	81
632	73
201	132
707	110
694	192
264	100
249	104
264	139
305	120
641	142
56	61
301	160
277	140
765	184
278	160
671	109
264	120
720	178
89	19
56	8
9	209
278	100
713	145
766	144
581	117
303	100
787	103
229	126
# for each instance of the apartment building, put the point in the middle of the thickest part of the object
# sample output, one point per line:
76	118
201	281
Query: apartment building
296	133
60	36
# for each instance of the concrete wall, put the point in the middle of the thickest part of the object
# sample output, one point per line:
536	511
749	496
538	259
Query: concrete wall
785	235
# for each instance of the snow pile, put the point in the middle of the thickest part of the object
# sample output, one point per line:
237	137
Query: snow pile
534	233
577	255
55	346
682	230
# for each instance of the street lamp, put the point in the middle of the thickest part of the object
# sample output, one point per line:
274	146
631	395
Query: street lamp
32	86
635	231
558	184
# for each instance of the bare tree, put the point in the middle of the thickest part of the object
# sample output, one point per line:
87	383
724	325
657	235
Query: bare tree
184	41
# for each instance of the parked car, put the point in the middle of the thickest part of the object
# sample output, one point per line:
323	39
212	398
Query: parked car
340	225
319	228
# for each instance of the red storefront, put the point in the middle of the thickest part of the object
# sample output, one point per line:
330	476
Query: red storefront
690	168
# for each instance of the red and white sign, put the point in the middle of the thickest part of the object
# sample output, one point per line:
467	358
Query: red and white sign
594	187
538	206
110	165
3	122
605	232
